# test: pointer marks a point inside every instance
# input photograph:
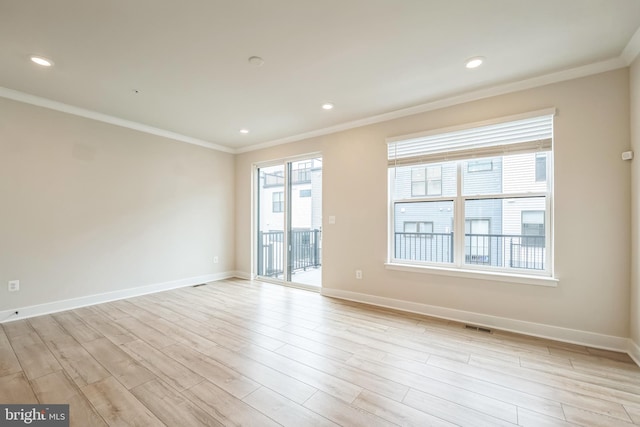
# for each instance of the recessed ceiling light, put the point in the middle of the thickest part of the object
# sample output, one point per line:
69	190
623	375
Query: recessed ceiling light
327	106
474	62
41	61
245	131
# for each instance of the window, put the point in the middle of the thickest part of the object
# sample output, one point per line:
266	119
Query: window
302	174
541	167
477	240
287	228
485	178
418	227
426	181
435	243
480	165
274	179
277	201
533	228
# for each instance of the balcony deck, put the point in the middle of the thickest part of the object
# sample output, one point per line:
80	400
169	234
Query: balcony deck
311	277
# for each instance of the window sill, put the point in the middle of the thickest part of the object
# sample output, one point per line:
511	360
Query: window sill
475	274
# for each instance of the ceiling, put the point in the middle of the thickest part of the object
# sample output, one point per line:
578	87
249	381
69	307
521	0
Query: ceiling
188	59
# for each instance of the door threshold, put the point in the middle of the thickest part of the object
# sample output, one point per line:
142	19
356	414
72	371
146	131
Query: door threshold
302	286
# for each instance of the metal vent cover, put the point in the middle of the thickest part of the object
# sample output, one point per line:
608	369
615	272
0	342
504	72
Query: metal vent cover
478	328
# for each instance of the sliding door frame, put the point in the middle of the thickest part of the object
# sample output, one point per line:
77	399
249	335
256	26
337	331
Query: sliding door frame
286	162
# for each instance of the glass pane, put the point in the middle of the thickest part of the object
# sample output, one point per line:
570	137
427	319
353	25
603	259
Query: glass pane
439	179
434	187
533	228
541	167
533	217
305	230
433	240
271	222
410	227
434	172
425	227
497	234
478	179
518	173
480	165
417	174
418	188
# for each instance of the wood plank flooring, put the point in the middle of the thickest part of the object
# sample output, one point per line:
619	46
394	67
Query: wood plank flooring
243	353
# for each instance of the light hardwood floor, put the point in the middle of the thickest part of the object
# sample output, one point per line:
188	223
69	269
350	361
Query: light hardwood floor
236	352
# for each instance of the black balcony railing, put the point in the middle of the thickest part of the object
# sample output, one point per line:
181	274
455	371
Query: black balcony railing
431	247
497	250
304	251
273	179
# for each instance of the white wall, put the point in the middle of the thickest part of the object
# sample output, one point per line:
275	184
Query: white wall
88	208
592	188
635	207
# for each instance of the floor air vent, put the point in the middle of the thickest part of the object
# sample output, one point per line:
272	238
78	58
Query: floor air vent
478	328
197	286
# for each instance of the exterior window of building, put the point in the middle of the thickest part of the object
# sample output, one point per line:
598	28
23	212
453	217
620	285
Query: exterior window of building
426	181
480	165
481	201
273	179
302	174
418	227
305	193
533	228
541	167
277	201
477	240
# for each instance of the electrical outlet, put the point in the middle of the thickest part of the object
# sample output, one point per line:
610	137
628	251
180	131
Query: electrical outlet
14	285
358	274
215	260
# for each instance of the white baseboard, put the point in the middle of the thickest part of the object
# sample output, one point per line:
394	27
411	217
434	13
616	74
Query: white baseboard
69	304
242	275
634	351
573	336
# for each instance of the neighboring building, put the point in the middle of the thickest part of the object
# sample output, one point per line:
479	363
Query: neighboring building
501	232
306	217
306	196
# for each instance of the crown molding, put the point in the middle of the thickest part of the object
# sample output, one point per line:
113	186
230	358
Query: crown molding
559	76
89	114
632	50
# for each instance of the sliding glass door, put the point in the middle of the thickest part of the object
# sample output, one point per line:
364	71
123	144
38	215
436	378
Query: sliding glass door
271	222
289	221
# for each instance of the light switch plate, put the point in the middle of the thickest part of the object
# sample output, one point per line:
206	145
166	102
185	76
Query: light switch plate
14	285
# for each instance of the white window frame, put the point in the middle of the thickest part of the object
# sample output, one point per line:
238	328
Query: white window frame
459	267
255	190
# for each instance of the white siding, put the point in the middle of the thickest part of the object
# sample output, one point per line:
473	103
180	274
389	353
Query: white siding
519	174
